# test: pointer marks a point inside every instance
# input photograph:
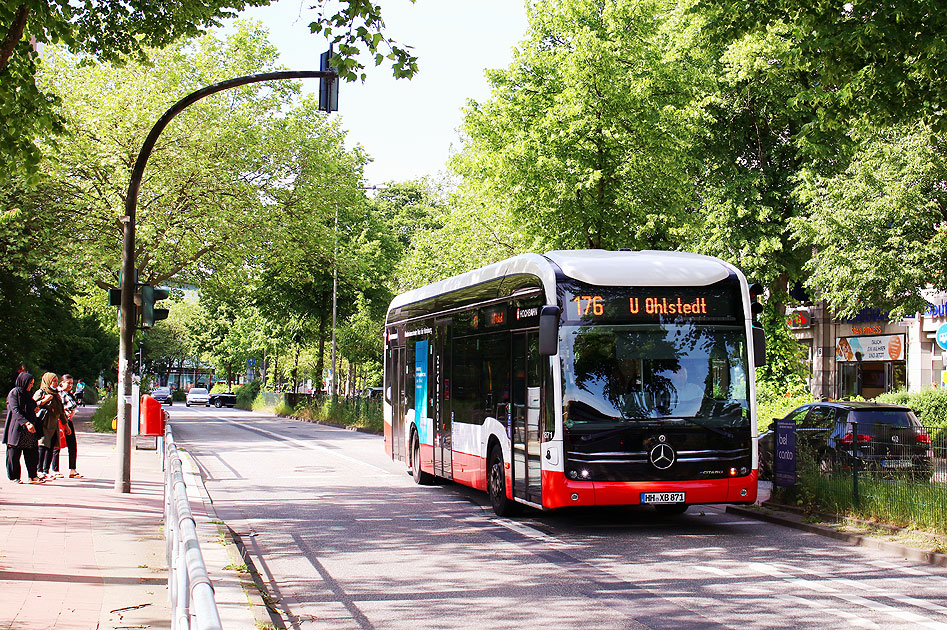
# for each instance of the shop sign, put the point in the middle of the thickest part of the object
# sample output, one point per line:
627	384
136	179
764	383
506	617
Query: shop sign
867	330
935	312
799	318
874	348
942	337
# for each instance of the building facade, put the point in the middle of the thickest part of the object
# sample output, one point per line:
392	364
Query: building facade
870	354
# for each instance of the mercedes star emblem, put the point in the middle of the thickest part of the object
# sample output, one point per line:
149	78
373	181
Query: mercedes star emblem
894	438
662	456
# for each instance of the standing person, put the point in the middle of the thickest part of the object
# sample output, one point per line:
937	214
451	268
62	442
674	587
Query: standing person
80	392
69	404
47	397
19	432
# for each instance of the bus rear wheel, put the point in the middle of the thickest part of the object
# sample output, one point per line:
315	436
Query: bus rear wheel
496	484
420	477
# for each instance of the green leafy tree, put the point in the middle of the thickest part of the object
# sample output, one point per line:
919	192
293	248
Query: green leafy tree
201	192
744	191
859	61
114	32
585	137
880	226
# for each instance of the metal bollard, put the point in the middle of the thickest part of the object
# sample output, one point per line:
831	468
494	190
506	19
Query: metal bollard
855	463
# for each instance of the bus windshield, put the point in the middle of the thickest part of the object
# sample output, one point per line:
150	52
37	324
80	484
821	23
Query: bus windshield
628	373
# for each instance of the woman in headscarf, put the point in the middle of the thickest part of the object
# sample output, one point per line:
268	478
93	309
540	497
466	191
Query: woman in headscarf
19	432
47	397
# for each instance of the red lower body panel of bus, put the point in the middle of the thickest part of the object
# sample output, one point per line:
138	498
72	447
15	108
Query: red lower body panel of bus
558	491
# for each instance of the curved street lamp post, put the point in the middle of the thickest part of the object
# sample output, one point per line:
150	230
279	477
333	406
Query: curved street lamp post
128	316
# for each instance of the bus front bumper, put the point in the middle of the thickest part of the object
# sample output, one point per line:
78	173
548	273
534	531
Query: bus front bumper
558	491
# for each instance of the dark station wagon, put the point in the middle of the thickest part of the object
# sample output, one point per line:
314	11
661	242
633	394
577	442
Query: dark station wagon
884	438
223	399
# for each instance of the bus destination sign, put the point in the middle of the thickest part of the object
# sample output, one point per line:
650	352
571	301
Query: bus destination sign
636	304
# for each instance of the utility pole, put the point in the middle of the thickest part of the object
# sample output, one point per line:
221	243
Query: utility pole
128	315
335	289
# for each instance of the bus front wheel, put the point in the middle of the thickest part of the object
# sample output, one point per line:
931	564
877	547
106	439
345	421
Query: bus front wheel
420	477
496	484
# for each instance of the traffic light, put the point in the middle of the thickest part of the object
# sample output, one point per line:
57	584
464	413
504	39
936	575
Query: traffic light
150	314
328	87
759	337
115	297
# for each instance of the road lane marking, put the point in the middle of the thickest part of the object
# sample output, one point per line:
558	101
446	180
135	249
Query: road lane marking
851	618
712	570
878	591
884	564
305	445
827	589
525	530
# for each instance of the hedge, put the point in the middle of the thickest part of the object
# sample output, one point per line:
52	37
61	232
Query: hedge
930	405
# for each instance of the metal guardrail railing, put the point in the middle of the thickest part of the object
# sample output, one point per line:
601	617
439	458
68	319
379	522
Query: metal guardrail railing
193	606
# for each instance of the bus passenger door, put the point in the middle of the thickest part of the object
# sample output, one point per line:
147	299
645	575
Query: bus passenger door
527	421
441	401
397	374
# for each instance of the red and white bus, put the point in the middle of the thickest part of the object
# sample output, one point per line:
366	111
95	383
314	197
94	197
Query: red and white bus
579	378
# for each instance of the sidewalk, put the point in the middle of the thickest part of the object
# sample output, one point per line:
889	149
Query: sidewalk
75	554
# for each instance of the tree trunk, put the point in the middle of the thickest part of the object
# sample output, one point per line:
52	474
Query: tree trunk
14	34
321	362
296	370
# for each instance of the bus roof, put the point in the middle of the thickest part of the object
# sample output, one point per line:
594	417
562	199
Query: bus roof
593	266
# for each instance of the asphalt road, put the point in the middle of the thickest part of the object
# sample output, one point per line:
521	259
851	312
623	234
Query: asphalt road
344	539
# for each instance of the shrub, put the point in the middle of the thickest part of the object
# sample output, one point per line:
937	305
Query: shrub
247	393
282	409
179	395
355	412
259	403
775	400
930	405
102	418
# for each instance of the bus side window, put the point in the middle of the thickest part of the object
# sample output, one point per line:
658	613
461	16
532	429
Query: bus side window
466	380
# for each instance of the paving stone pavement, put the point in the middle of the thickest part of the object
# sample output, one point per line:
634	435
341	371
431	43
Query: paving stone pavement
75	554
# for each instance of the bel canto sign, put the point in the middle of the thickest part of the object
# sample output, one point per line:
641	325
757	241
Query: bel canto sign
784	462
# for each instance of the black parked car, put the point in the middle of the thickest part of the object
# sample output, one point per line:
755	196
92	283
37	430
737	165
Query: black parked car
162	395
884	438
223	399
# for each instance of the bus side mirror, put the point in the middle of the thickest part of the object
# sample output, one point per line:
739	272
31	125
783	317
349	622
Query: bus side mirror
759	346
549	330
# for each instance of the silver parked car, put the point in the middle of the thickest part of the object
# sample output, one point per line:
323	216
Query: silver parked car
197	396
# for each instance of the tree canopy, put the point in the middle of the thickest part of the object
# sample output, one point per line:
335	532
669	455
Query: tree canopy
116	32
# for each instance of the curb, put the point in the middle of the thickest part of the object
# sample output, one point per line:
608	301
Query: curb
252	588
264	615
905	551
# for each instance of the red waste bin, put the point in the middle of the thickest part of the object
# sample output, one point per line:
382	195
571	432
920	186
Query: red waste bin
152	418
